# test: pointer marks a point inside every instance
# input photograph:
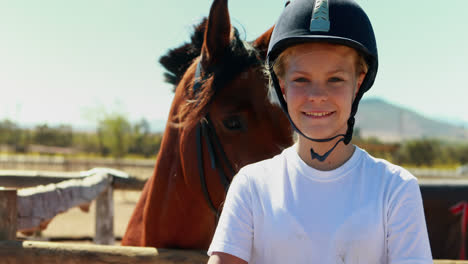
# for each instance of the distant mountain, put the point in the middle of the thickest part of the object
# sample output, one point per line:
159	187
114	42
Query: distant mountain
378	118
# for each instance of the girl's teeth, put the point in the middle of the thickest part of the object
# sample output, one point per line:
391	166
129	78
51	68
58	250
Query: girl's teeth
317	114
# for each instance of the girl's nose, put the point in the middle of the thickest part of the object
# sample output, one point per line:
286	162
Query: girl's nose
317	93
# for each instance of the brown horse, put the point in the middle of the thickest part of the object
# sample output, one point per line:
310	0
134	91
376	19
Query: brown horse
220	120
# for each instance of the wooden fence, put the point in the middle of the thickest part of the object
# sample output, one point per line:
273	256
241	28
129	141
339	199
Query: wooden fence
19	252
24	179
65	163
27	252
60	191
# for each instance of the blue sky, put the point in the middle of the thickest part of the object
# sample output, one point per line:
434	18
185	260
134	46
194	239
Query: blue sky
65	61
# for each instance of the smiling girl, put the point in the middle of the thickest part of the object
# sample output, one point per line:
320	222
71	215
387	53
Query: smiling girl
323	200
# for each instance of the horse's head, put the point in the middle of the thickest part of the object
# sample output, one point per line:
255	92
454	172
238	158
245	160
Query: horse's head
220	120
224	95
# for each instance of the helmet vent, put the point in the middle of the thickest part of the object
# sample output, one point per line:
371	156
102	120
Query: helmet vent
320	20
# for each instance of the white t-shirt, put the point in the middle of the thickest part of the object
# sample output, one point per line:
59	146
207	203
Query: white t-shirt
281	210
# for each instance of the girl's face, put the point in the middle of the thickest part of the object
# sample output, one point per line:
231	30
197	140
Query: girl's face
319	84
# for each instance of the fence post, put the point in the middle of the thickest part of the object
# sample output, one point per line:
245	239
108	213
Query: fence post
8	214
105	218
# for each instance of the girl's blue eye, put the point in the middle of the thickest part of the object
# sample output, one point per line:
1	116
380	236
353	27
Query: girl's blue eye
300	79
335	79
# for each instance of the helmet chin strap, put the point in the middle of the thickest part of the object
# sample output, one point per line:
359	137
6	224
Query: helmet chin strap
323	157
346	137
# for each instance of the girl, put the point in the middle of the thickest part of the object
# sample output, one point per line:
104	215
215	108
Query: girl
323	200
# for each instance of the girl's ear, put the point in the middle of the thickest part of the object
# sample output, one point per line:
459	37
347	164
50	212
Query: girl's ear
360	79
282	85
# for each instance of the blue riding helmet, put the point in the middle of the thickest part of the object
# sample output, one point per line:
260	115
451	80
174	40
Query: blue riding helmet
341	22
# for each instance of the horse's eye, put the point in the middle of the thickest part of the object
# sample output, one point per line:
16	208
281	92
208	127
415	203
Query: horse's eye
234	123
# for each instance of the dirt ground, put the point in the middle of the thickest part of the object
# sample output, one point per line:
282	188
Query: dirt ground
78	226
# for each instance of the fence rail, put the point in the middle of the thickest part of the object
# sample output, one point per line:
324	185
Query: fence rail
26	252
63	160
56	192
24	179
143	168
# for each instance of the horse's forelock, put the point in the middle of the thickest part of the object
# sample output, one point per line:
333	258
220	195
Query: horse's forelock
239	56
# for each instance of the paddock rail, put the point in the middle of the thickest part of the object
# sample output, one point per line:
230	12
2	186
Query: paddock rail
26	252
42	195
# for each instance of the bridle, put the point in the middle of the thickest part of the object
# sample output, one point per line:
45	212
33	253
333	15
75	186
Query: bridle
205	130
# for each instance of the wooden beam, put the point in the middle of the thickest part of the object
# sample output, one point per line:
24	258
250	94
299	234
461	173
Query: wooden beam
8	214
448	261
104	223
26	252
453	190
40	204
25	179
130	183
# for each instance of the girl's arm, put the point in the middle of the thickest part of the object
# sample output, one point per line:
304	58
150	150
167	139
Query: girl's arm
407	237
224	258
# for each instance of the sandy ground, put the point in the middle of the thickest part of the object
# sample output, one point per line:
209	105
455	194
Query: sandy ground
79	226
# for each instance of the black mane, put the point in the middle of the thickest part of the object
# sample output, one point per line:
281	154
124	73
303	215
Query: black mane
240	55
176	61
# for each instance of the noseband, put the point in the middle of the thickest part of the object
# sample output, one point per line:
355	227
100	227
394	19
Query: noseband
205	130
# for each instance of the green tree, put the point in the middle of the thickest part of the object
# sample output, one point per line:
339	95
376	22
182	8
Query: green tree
114	133
460	154
10	133
423	152
87	142
143	141
61	136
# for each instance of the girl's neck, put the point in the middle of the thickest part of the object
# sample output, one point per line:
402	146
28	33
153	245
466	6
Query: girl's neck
337	157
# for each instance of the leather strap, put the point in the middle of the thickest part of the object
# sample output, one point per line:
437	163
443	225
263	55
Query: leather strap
206	130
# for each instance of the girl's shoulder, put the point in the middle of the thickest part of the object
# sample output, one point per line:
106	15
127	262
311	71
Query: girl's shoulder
265	169
391	174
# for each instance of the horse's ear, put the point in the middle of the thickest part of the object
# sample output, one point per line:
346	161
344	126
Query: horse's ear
261	43
217	33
